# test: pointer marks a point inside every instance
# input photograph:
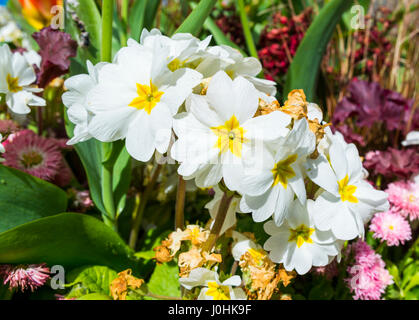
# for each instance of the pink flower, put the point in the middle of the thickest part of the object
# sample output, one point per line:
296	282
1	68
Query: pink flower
329	271
404	196
83	199
391	227
368	276
32	154
31	276
8	127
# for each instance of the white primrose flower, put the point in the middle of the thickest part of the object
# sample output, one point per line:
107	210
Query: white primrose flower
213	289
242	244
234	64
214	204
297	243
348	201
75	99
269	189
136	98
219	128
412	138
185	50
16	79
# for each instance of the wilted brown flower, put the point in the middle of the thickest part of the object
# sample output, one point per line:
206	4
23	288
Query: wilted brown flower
124	282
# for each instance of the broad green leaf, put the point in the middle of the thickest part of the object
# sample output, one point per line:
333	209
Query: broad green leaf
305	66
394	271
194	22
136	18
414	281
165	280
95	296
94	279
67	239
24	198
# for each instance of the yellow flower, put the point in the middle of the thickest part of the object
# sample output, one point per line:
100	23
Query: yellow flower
346	191
230	137
217	291
148	97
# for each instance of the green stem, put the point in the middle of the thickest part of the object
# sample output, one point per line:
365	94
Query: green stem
107	18
107	168
124	18
137	219
246	30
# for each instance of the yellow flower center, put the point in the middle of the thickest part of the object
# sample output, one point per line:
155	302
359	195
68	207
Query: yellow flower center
148	97
176	64
411	198
257	255
346	191
13	83
391	227
218	292
283	171
31	159
230	137
194	234
301	234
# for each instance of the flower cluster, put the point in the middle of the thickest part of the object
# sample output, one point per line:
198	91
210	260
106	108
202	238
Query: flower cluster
26	277
279	42
368	276
281	163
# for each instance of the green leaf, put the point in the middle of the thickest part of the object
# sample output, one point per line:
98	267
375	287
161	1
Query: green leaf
94	279
68	239
305	66
394	271
322	291
152	7
194	22
136	18
95	296
165	280
88	14
219	36
90	153
24	198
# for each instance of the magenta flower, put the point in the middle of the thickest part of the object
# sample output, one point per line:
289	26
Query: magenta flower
368	277
30	276
368	103
56	49
393	162
404	198
32	154
390	227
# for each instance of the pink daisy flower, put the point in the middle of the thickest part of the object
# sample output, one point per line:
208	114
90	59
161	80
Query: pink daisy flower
368	277
390	227
404	197
31	276
32	154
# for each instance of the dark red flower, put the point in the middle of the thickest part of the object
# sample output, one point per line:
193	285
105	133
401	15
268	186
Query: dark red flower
393	162
56	49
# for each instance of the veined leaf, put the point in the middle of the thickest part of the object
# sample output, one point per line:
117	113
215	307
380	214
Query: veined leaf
305	66
165	280
24	198
94	279
67	239
194	22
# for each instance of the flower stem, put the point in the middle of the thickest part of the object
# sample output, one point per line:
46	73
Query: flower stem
246	30
219	221
107	18
124	18
107	168
180	203
137	219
